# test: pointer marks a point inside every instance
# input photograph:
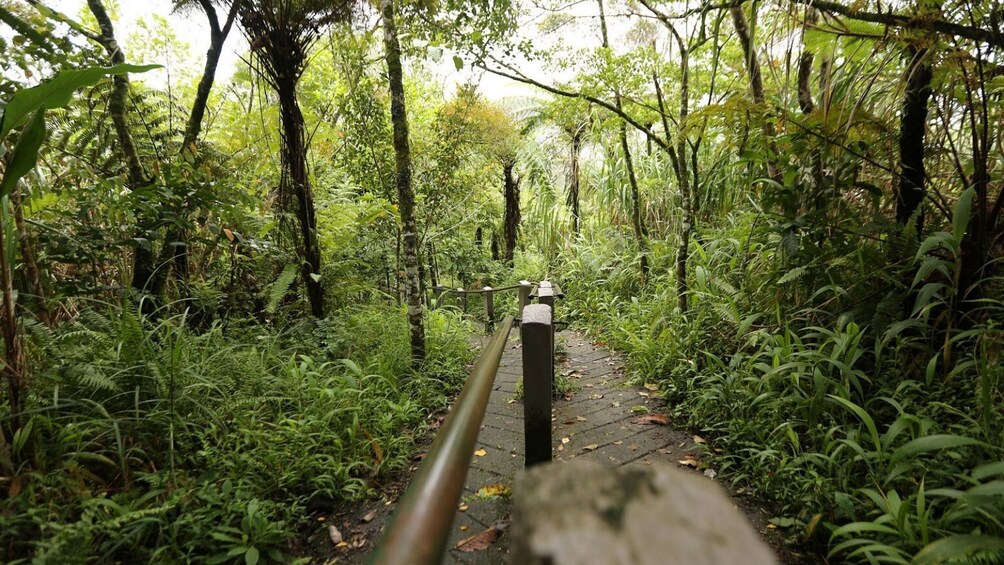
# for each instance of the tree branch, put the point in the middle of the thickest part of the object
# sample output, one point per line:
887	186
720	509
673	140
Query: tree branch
571	94
917	22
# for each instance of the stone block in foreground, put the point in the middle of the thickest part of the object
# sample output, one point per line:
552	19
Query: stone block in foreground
586	512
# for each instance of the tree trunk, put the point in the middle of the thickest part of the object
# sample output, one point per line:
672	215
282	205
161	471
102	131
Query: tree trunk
406	196
28	257
13	363
430	253
756	82
640	231
175	250
512	212
912	129
297	181
574	176
143	259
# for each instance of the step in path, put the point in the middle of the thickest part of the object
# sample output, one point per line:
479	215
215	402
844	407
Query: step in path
601	419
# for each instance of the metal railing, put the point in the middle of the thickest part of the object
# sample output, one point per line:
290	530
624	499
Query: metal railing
418	531
420	527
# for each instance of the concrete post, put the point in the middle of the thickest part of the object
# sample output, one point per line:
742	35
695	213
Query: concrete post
489	309
525	288
536	332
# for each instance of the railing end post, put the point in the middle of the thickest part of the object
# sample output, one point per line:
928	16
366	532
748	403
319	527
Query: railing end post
537	334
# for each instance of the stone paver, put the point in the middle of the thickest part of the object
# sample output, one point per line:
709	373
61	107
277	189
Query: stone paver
594	421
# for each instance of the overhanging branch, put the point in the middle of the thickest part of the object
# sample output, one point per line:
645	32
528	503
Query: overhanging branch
599	102
915	22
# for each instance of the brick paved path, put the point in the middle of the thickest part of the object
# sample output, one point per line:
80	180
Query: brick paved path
595	421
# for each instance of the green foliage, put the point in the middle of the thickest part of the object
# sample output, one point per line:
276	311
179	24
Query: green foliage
155	443
822	403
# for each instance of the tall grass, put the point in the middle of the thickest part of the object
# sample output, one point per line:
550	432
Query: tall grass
817	392
156	444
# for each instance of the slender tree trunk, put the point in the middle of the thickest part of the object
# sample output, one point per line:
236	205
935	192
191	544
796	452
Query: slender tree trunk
640	231
512	212
574	176
495	246
430	253
143	258
805	61
175	249
28	257
406	196
297	179
143	266
13	370
678	161
756	82
912	131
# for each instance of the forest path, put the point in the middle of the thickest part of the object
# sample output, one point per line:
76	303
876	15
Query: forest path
600	419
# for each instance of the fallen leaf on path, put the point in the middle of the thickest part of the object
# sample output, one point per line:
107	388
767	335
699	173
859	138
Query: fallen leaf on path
639	409
581	418
565	440
463	527
342	544
463	507
481	453
633	447
710	473
689	462
497	489
652	387
334	534
369	516
616	404
512	401
479	542
595	396
569	395
659	419
590	447
588	385
698	439
618	442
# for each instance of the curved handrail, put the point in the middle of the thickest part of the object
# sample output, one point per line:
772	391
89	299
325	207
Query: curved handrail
419	529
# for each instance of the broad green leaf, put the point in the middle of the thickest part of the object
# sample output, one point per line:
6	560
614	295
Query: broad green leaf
960	218
934	442
57	92
988	470
458	62
25	154
952	548
864	416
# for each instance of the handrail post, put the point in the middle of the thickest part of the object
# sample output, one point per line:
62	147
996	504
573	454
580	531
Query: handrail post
437	295
536	332
489	309
525	288
545	296
462	297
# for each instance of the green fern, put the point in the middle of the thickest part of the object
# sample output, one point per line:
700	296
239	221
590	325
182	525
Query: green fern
280	287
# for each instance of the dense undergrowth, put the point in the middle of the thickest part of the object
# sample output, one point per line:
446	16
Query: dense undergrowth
873	430
146	442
